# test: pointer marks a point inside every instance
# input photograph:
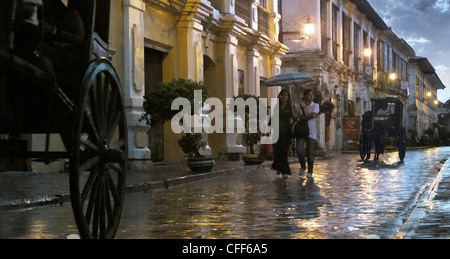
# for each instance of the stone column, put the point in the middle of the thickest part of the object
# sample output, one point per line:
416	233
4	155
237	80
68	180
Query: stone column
253	71
133	80
228	80
275	69
190	50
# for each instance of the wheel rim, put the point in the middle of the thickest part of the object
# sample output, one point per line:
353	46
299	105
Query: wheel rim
362	148
99	159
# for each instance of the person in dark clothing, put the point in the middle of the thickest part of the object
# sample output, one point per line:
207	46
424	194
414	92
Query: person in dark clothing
287	114
27	35
63	36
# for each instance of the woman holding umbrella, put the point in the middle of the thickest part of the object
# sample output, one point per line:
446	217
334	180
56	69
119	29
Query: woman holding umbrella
287	114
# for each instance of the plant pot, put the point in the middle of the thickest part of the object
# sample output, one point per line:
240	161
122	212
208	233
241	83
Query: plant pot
251	159
319	152
200	164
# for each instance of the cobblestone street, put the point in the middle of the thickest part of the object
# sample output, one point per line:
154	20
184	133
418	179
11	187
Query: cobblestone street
348	198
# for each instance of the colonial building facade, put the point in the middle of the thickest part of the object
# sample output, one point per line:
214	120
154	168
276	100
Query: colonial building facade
352	54
422	107
230	45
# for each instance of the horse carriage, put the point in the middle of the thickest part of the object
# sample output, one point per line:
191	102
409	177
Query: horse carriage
52	85
385	120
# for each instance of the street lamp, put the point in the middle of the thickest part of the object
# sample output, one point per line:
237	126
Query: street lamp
393	76
429	94
367	52
308	29
436	102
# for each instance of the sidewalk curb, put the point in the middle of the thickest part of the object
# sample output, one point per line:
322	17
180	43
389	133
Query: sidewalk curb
346	152
150	186
411	222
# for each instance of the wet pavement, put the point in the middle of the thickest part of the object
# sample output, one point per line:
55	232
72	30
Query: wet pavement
433	219
28	189
348	198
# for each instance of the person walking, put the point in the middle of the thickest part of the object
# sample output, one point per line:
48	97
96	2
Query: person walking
308	111
287	113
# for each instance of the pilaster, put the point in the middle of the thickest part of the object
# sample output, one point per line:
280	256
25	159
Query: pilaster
134	80
228	80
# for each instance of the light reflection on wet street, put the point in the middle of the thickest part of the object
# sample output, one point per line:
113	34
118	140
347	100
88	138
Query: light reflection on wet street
348	198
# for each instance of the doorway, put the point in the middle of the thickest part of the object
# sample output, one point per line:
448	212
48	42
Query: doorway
154	76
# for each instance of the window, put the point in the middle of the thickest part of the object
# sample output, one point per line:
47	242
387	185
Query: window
384	57
216	4
243	9
356	45
346	38
263	21
334	31
324	24
263	3
280	22
372	46
365	45
389	66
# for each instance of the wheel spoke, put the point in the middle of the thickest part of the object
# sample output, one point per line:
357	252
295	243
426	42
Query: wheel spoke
89	163
97	208
112	125
109	210
94	104
102	210
100	102
88	143
90	119
91	202
114	115
107	92
88	185
116	168
112	188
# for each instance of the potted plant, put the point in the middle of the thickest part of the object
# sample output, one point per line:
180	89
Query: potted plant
325	106
191	143
318	150
251	139
157	109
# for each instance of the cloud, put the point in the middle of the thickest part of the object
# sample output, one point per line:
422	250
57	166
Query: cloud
442	5
425	25
441	69
423	5
415	41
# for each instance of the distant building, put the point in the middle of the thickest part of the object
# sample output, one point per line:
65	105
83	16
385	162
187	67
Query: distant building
424	84
335	57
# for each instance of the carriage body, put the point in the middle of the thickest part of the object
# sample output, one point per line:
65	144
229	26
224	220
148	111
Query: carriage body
382	122
83	103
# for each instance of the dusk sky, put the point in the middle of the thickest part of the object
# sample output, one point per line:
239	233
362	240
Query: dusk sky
425	25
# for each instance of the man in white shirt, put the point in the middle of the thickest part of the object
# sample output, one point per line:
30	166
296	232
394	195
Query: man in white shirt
311	110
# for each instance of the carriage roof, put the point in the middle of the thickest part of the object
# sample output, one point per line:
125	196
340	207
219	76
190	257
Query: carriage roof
380	96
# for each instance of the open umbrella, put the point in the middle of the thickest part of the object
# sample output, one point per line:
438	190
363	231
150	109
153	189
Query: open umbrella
289	79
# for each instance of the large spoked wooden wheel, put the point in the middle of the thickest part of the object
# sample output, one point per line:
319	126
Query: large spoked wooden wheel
365	145
98	165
